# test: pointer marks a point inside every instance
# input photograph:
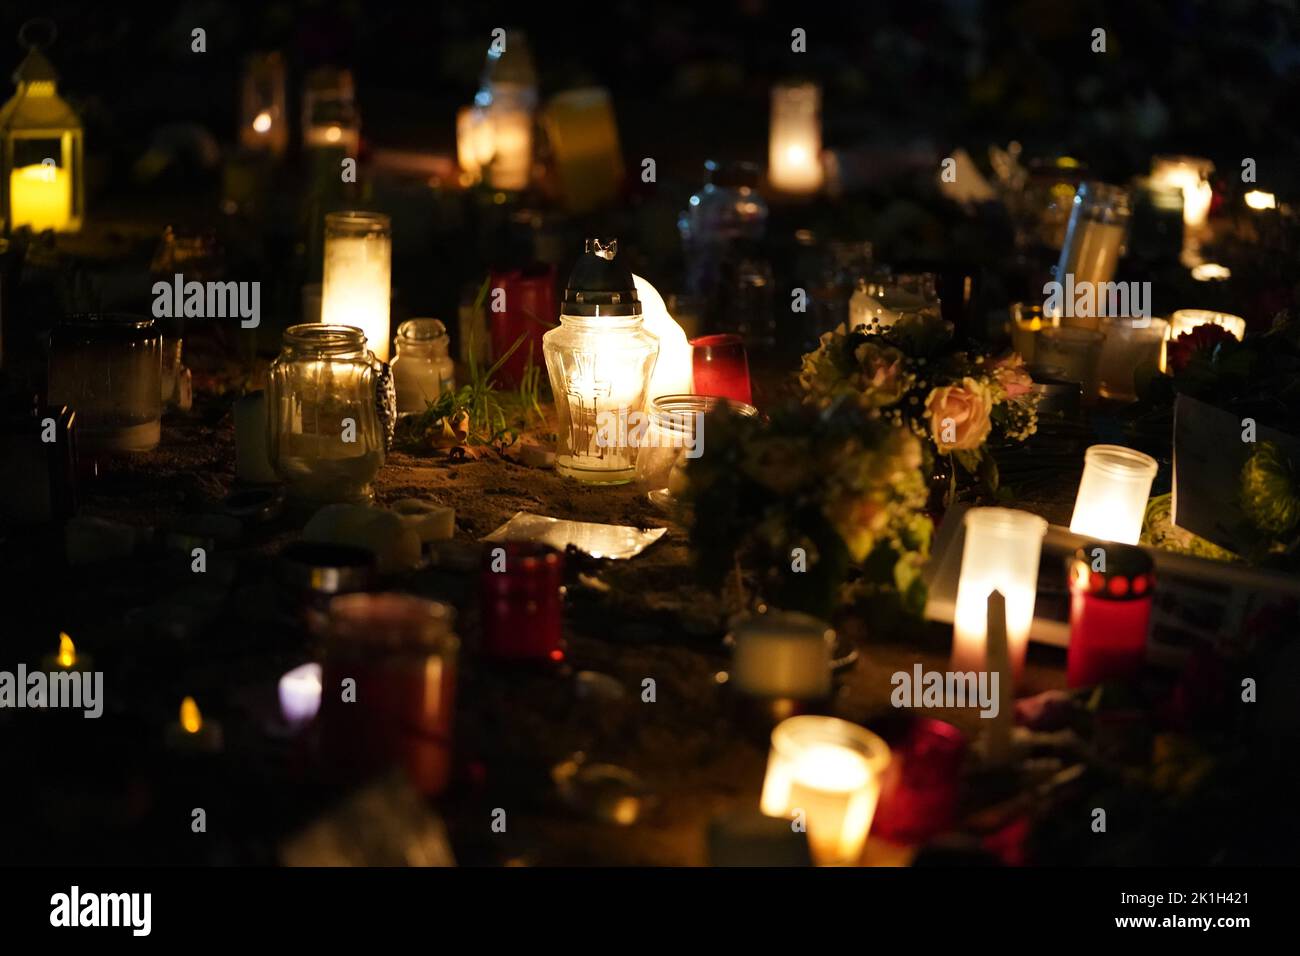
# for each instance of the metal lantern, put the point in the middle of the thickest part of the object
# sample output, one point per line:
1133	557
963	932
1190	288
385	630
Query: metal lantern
41	175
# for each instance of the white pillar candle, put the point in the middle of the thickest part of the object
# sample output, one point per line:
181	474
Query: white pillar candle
1113	493
795	139
826	773
1000	553
356	285
300	691
782	654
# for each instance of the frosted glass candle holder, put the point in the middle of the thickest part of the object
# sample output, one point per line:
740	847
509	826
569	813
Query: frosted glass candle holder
1001	553
1184	320
826	772
794	163
1132	345
1113	493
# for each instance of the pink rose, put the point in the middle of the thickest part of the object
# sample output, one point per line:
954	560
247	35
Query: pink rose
1011	375
959	415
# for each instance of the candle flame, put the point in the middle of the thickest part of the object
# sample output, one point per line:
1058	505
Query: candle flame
333	134
262	122
191	719
67	651
1258	199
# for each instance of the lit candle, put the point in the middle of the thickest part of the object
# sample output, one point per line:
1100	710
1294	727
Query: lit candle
826	773
473	142
1111	586
1259	200
511	119
1113	493
1184	320
191	733
721	367
300	691
583	137
521	601
1000	553
262	106
1191	175
40	196
795	138
919	792
782	654
356	285
67	658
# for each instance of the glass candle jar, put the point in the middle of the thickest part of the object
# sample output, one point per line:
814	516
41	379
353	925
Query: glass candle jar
1184	320
1094	240
521	597
919	795
1131	351
674	436
1001	553
720	367
356	285
1191	174
528	313
264	120
108	369
794	161
1113	493
423	368
1111	586
326	439
401	651
583	137
599	360
1075	352
1027	320
828	773
782	654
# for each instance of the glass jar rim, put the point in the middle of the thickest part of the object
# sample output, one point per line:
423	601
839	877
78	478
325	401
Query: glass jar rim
392	619
795	733
1072	333
1120	461
359	221
423	329
1128	323
114	321
320	337
667	409
1006	521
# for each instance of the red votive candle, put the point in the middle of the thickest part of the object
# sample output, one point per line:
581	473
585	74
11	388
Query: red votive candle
521	594
918	797
401	652
529	309
721	368
1110	612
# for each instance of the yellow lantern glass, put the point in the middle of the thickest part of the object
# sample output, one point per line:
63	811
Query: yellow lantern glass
41	180
794	163
1113	493
826	773
1000	553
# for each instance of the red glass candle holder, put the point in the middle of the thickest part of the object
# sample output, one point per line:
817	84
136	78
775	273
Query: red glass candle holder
521	594
918	797
401	652
1111	587
530	309
721	368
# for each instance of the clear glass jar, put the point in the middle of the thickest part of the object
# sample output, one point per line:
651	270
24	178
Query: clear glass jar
884	301
599	361
326	437
674	436
1094	240
423	368
108	368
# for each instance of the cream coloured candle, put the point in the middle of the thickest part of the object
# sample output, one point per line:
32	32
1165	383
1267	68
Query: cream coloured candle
795	138
1001	553
356	285
825	774
782	654
40	196
1191	175
1113	493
